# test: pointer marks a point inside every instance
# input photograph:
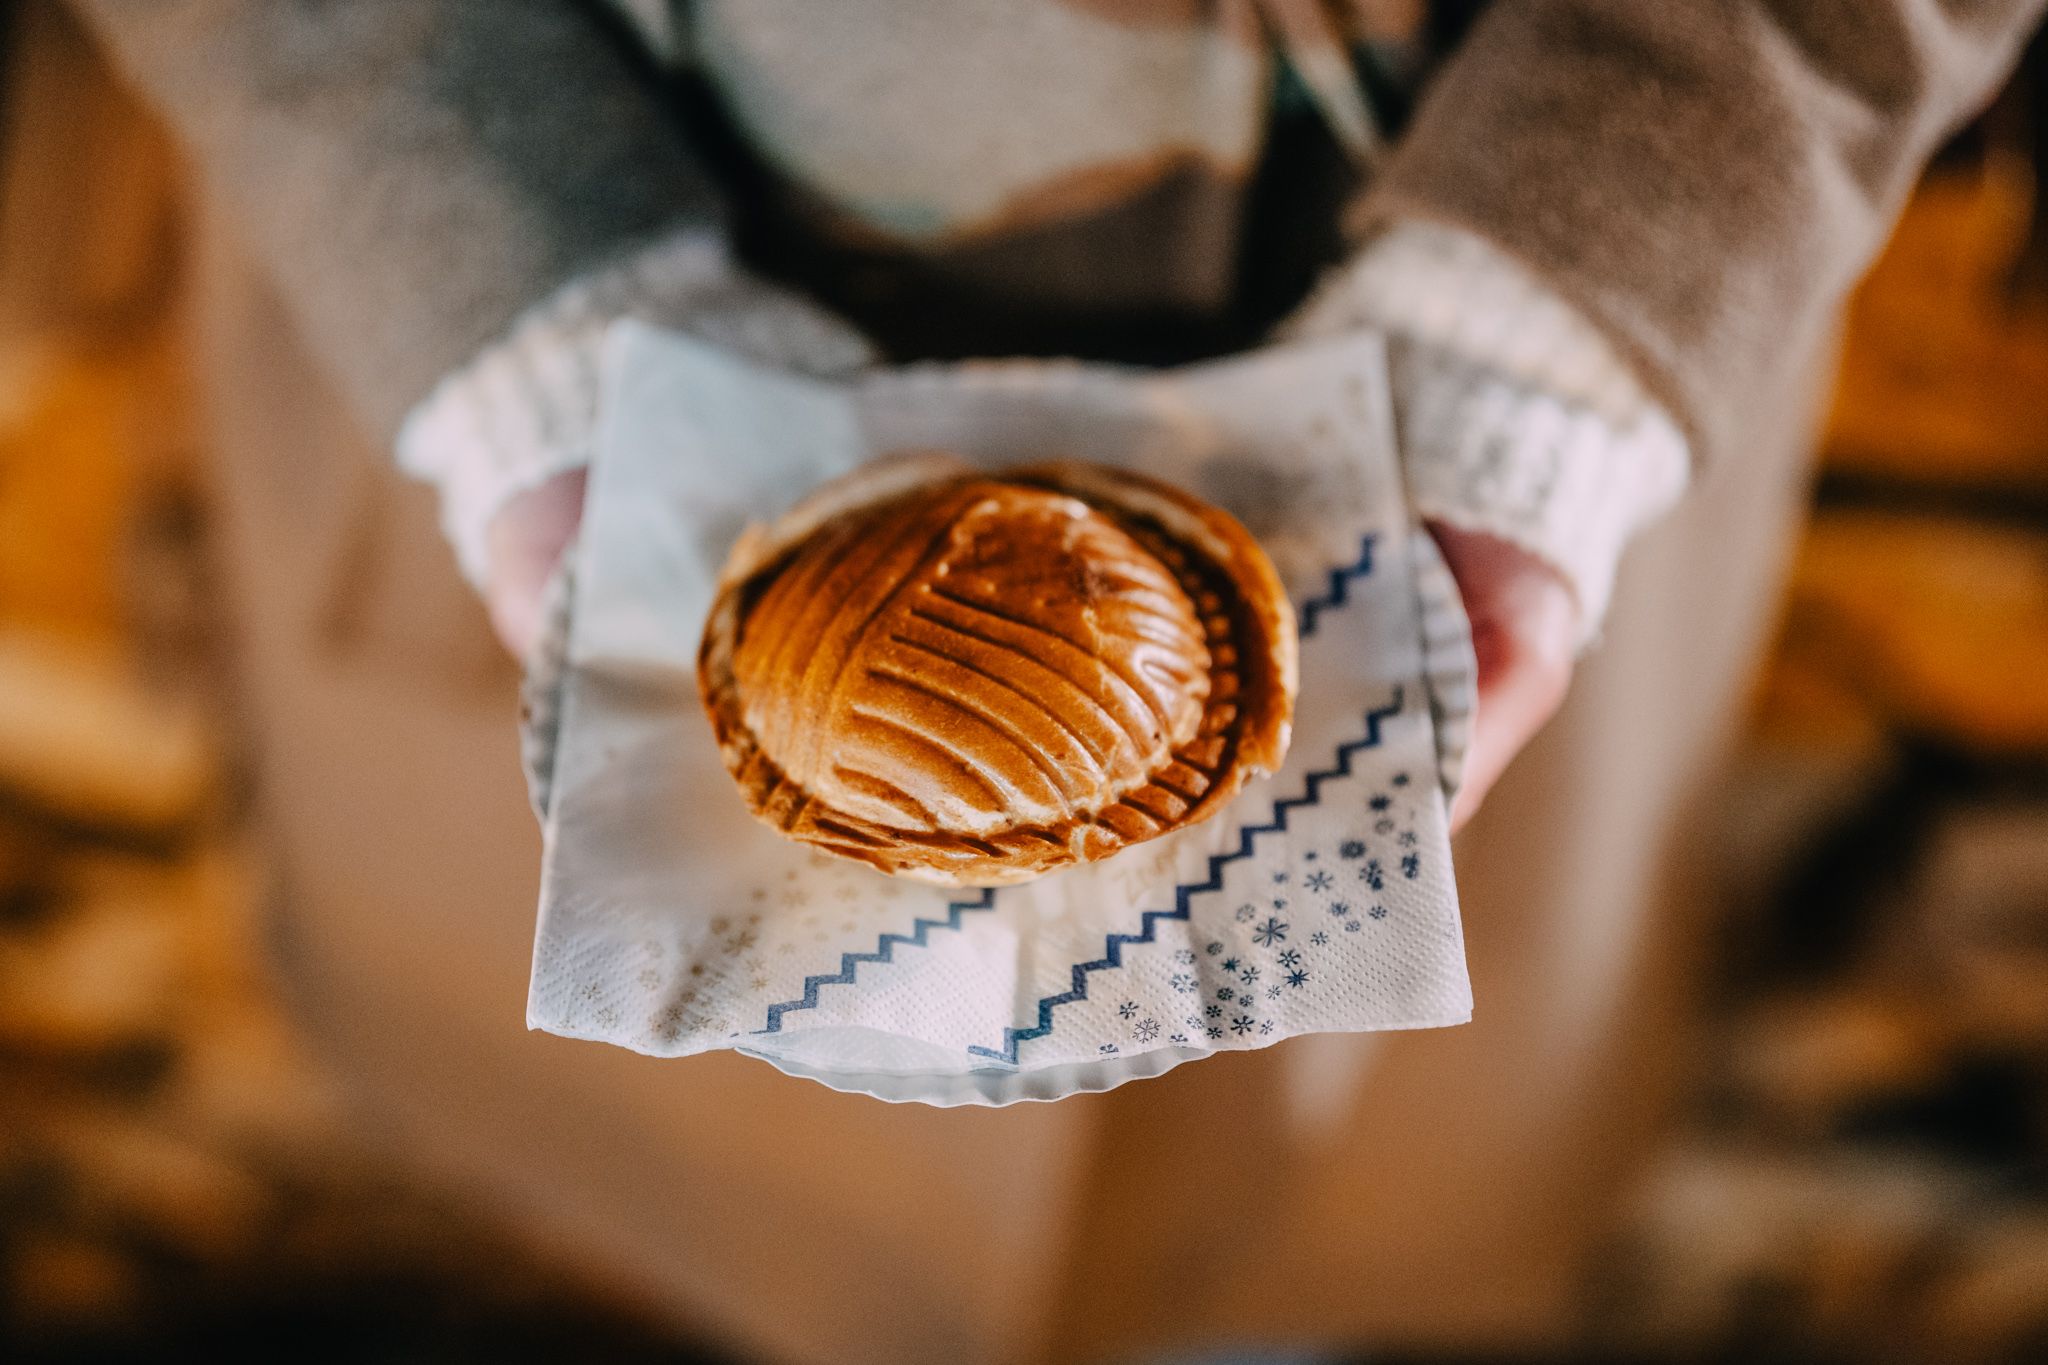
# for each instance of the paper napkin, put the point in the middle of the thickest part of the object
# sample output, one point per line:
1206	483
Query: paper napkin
1320	899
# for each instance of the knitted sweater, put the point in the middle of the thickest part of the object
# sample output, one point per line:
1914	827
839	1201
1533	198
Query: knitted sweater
1590	241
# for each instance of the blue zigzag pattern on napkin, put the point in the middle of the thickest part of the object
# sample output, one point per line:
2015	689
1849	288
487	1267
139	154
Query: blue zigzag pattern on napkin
1184	894
1339	591
884	952
1335	595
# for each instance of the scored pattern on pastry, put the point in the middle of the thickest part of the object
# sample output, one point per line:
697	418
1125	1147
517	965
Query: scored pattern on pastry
995	658
984	680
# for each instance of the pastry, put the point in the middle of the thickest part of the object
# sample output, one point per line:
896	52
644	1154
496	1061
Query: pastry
974	679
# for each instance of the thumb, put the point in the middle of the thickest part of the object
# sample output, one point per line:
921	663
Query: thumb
1524	628
524	542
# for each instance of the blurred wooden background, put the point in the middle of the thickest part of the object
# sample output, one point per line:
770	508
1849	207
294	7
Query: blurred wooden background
1865	1177
175	1178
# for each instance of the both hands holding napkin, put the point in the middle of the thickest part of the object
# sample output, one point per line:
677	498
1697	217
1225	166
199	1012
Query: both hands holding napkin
1485	434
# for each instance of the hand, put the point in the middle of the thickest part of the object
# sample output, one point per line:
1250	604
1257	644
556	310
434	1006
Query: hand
1524	629
524	543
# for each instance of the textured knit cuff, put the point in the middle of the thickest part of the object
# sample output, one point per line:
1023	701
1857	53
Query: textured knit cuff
525	409
1517	418
1486	453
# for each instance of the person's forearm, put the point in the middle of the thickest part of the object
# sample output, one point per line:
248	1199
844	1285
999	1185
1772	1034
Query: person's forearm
415	175
1702	179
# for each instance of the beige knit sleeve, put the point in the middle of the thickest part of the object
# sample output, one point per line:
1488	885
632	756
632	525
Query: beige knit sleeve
1702	180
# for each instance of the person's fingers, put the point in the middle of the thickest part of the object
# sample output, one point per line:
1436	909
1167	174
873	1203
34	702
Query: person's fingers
525	541
1518	693
1524	626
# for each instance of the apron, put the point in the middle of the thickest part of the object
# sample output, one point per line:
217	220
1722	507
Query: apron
1446	1187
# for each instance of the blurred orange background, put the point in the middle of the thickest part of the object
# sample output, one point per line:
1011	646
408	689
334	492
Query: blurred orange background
1861	1171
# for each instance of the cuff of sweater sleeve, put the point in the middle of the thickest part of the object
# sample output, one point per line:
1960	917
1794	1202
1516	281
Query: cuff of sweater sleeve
1517	417
525	408
1556	478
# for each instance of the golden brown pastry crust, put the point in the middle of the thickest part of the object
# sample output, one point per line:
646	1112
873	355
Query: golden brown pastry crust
973	680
